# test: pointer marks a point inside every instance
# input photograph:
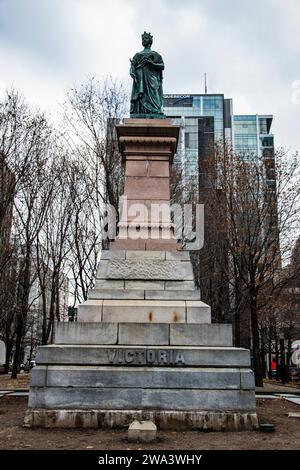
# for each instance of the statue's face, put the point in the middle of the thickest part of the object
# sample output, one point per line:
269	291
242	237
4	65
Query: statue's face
146	41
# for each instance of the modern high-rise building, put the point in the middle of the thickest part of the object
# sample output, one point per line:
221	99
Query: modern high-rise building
204	120
252	135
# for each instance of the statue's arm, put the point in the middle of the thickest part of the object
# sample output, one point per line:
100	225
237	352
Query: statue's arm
158	64
132	70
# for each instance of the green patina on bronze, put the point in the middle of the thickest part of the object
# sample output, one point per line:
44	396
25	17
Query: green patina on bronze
146	71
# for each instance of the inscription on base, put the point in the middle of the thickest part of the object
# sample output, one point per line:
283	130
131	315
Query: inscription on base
145	356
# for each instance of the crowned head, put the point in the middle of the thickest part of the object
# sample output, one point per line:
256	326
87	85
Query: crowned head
147	39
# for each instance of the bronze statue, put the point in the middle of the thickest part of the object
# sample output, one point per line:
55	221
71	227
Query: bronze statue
146	71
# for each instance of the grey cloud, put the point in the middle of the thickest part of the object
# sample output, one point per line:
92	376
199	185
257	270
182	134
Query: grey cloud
249	49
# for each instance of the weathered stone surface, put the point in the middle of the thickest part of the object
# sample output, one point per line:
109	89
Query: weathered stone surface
214	334
197	312
136	168
103	267
147	270
180	285
131	254
144	311
247	380
165	420
178	255
38	376
128	244
112	254
157	285
146	188
144	377
172	294
161	169
152	355
86	333
137	398
111	284
143	334
90	310
116	294
142	431
61	419
167	245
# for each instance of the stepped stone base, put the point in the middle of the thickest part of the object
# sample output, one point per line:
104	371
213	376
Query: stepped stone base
143	347
109	374
164	420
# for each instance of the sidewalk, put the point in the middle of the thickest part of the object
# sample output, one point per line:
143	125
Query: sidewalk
275	387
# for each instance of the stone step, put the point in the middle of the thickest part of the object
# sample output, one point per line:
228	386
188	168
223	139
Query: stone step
141	377
162	356
205	334
101	294
164	419
139	294
122	284
140	398
142	254
144	311
172	295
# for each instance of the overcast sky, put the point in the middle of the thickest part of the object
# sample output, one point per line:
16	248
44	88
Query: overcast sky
250	50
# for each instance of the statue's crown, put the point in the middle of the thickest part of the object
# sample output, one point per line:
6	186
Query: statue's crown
147	35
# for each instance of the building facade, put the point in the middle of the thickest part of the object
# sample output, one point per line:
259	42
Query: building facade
207	120
252	136
204	119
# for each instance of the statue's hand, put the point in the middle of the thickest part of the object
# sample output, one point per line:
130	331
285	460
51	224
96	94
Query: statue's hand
146	60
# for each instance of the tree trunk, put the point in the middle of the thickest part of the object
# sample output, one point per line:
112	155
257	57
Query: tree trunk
7	357
237	316
262	355
270	357
23	296
255	344
19	337
277	358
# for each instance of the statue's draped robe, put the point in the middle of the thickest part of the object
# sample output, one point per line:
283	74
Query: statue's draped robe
147	93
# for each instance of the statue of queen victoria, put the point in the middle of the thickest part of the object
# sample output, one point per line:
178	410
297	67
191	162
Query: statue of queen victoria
146	70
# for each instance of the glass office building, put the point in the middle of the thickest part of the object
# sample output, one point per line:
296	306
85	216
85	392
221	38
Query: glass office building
252	136
204	120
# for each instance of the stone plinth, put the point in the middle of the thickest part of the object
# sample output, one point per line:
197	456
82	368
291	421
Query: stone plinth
147	148
144	347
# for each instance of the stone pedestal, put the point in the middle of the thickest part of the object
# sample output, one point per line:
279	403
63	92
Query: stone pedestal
144	347
147	148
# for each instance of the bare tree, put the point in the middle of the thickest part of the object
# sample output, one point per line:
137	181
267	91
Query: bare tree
24	135
53	241
95	175
255	203
91	114
30	207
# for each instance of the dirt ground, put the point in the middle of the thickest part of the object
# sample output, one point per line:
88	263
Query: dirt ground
286	436
20	383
